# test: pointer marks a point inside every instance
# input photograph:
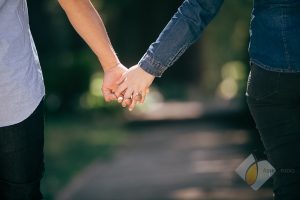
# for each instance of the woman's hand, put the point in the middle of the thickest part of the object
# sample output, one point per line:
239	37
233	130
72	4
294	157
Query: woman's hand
133	86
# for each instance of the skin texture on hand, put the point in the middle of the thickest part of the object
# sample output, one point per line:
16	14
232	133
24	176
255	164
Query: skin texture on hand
110	80
132	83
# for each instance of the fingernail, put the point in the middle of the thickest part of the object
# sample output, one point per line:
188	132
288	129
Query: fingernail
120	99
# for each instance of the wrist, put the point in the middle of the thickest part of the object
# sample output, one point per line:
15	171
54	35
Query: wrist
108	61
144	71
109	67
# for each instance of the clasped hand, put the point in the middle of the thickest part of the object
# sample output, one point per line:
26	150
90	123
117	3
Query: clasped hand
127	86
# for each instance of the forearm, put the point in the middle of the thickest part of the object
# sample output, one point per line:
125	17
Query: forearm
89	25
181	32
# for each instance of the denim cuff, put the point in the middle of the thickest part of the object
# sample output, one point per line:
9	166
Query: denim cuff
152	66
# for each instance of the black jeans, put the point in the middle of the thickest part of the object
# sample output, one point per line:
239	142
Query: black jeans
274	102
21	158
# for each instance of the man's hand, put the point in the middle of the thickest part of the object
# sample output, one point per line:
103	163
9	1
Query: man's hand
133	86
111	77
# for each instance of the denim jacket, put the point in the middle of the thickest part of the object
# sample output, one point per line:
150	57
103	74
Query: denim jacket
274	35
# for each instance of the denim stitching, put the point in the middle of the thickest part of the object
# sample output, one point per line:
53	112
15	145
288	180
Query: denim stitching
274	69
151	65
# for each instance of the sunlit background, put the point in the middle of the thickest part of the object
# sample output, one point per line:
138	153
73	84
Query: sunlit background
183	143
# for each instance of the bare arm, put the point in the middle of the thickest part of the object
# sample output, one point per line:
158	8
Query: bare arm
89	25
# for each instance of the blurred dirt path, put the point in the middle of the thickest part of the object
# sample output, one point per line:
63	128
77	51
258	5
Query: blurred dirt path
177	160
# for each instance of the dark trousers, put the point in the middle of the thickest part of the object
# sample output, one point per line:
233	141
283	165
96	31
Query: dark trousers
274	102
21	158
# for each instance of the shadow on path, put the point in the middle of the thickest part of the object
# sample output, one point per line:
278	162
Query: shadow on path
175	159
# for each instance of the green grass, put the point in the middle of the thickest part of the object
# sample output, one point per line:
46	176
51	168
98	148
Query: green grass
72	144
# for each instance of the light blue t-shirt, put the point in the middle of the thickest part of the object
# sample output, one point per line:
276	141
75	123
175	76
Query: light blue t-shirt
21	80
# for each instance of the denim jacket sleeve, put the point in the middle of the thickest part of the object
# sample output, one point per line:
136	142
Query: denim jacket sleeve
181	32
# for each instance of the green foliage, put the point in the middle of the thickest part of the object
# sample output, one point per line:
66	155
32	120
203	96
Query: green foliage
224	41
72	144
67	76
68	64
73	77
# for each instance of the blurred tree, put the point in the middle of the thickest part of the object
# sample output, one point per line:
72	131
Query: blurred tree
68	64
226	40
66	61
135	24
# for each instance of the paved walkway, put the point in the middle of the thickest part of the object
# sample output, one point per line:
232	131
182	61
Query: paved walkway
175	160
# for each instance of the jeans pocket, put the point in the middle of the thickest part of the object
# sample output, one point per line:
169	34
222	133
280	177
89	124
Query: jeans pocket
261	83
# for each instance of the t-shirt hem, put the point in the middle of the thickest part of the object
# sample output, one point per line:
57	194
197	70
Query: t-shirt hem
31	108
